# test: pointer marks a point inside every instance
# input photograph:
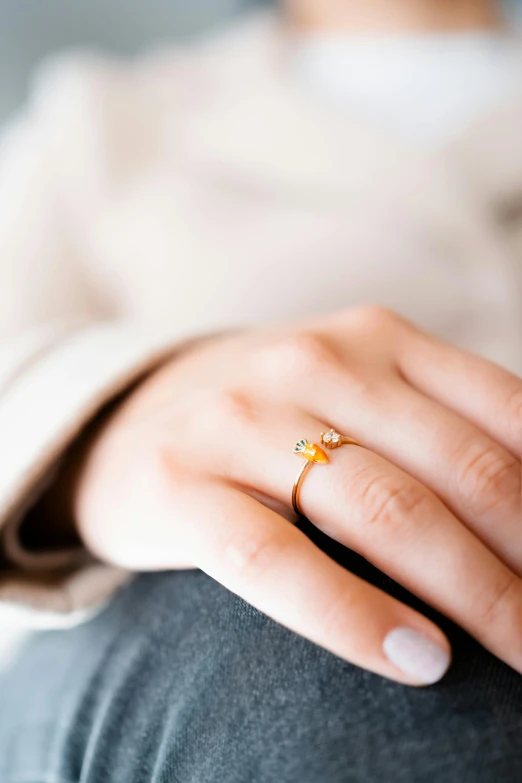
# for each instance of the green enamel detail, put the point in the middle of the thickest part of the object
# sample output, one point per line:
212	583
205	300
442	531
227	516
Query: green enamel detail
300	446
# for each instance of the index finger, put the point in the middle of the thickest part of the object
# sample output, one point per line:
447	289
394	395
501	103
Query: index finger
261	557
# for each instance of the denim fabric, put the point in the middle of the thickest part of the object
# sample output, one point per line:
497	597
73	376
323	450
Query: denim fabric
180	681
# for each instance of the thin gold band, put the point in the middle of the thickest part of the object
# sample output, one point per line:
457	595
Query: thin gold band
297	486
315	454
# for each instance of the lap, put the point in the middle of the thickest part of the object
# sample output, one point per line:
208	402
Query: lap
179	680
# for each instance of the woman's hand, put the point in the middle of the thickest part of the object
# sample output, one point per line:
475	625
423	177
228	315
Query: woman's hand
196	469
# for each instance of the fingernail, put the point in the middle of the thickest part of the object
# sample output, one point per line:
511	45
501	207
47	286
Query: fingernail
416	655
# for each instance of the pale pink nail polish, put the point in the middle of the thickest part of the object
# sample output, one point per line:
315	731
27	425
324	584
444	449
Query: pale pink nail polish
416	655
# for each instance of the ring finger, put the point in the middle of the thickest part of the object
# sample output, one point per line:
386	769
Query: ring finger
373	507
475	476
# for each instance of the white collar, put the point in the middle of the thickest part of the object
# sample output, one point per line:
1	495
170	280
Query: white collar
424	88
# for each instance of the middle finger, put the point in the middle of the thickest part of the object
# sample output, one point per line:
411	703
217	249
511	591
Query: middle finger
372	506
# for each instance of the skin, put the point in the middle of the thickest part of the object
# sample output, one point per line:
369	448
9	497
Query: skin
393	16
195	467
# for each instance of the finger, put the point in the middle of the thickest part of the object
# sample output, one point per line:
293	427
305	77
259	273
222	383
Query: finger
476	477
475	388
407	532
272	565
390	518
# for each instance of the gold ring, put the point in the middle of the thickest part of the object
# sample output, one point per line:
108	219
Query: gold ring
332	440
315	454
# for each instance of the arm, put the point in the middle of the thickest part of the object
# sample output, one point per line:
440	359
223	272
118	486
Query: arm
61	360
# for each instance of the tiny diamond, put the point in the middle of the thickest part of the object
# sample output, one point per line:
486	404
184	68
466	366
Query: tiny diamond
332	439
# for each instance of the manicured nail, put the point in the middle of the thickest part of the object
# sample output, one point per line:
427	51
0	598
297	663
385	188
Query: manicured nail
416	655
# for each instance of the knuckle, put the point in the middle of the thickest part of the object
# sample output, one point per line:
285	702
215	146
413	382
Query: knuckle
233	405
373	316
228	406
367	388
301	354
249	558
492	473
388	503
504	596
218	412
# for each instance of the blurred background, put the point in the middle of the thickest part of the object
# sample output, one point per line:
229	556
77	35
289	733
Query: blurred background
31	29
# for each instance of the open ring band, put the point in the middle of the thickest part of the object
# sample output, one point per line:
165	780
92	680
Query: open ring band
312	454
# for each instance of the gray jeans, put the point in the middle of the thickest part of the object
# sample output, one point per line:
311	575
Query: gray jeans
178	680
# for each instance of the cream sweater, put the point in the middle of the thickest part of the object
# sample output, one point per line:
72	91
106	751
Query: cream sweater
202	189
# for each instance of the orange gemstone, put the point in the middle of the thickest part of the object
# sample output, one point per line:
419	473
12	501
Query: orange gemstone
314	453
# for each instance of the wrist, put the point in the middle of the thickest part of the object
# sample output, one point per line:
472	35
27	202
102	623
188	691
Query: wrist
51	524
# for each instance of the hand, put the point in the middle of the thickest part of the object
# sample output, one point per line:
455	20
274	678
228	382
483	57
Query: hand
196	469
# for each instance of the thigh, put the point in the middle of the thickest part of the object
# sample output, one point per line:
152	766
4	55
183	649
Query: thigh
179	680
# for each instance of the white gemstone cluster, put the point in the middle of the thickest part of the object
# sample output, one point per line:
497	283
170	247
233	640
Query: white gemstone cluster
331	439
